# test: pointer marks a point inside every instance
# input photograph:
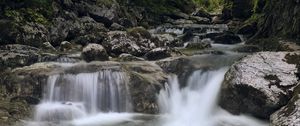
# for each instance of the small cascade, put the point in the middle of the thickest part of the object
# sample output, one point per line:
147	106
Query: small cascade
196	104
73	96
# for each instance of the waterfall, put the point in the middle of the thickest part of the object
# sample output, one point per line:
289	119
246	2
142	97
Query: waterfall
73	96
196	104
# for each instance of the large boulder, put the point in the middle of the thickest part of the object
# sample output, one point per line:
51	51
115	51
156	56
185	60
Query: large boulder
260	84
93	52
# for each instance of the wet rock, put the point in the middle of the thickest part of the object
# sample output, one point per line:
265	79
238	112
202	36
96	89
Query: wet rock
15	55
178	15
248	30
94	52
182	21
288	46
82	31
181	66
11	112
227	38
128	57
158	53
48	46
247	49
200	20
120	42
145	81
139	32
65	46
259	84
201	13
266	44
61	58
198	45
116	26
169	40
32	34
100	11
289	114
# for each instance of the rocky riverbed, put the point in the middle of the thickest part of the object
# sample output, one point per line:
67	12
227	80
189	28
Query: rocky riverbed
68	37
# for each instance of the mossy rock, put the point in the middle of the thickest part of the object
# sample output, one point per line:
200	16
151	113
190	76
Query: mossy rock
139	32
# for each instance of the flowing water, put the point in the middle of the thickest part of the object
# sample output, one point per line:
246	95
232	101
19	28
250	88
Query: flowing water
196	104
103	98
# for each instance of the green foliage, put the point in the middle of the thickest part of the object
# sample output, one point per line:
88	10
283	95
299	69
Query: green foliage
255	5
255	18
20	11
24	15
210	5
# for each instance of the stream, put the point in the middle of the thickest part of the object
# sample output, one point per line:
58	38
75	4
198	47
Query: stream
103	98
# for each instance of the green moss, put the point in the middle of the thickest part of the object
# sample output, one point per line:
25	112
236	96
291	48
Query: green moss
255	18
21	11
210	5
26	15
255	5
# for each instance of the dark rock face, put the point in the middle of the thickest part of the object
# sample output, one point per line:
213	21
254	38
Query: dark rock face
227	38
238	8
94	52
12	56
281	19
259	84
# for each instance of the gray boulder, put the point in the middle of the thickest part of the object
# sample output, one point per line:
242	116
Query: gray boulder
260	84
288	115
94	52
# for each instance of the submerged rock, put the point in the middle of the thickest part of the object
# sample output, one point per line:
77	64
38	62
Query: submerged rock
94	52
259	84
